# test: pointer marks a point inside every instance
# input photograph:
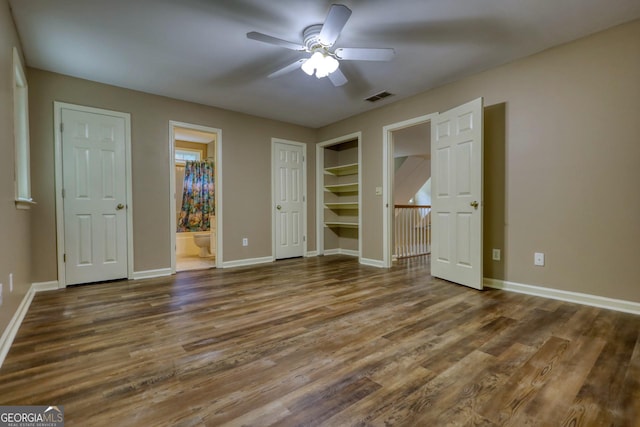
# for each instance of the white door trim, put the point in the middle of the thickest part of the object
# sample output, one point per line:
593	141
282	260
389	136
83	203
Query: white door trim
274	141
320	189
387	181
57	122
172	187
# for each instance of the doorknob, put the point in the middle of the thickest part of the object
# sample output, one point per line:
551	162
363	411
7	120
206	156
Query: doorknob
278	207
120	206
474	204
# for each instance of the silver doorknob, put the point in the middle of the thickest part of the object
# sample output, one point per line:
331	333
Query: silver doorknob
278	207
474	204
120	206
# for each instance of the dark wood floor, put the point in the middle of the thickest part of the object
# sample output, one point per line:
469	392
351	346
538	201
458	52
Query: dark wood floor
322	341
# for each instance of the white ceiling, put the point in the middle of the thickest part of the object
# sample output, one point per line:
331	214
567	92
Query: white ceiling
197	50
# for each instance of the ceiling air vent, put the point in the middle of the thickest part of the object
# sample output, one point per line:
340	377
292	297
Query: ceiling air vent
378	96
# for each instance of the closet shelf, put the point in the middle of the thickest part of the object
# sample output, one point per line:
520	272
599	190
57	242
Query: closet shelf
342	188
342	205
350	169
337	224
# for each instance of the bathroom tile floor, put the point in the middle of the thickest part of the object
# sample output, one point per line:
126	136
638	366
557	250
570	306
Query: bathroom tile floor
186	263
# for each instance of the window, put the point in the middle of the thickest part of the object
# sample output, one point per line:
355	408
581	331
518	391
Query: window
184	154
21	134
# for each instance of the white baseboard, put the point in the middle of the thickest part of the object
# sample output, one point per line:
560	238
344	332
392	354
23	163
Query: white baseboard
149	274
11	330
247	261
339	251
310	254
45	286
372	262
576	297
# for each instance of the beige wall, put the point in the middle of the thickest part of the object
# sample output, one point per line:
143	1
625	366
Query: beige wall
14	224
562	170
246	169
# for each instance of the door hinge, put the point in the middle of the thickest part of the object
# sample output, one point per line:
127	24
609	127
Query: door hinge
304	198
303	158
63	193
61	127
304	238
64	257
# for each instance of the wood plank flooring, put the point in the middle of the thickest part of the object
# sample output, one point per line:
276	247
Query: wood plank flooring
322	341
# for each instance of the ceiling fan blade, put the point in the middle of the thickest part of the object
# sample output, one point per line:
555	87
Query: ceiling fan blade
253	35
333	25
289	68
337	78
365	54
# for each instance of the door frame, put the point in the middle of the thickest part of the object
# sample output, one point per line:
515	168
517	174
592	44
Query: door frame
274	172
57	126
173	124
387	181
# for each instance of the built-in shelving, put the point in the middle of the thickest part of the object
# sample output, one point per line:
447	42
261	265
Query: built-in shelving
339	199
338	224
342	205
350	169
342	188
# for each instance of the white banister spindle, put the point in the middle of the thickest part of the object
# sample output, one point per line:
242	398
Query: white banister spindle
412	230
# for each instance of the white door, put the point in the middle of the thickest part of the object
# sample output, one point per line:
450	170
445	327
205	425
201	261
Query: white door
456	195
289	200
94	196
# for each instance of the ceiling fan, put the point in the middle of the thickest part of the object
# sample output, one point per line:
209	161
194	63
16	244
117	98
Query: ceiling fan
318	41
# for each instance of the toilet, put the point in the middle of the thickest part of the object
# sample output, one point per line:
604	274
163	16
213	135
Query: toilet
203	241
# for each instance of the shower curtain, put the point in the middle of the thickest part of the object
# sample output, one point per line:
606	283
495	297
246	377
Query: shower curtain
197	197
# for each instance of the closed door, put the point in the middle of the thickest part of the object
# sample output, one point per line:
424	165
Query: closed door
289	200
456	195
94	196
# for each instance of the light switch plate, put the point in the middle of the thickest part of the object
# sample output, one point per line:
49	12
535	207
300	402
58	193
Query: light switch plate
538	259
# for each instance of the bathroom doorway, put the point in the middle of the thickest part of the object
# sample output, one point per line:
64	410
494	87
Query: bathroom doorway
195	196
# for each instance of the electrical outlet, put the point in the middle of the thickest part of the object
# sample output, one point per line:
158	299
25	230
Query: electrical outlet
538	259
496	254
245	241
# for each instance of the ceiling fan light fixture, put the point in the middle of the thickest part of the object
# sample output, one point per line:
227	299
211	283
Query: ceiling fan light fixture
321	64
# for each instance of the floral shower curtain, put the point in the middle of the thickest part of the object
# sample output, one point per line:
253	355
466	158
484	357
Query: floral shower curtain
198	197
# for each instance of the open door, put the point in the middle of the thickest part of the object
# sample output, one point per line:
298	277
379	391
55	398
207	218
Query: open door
456	156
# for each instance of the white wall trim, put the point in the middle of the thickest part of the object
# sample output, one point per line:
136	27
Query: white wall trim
11	330
247	261
310	254
575	297
45	286
148	274
372	262
339	251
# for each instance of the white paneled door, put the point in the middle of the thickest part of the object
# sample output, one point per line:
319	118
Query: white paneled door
94	196
289	199
456	195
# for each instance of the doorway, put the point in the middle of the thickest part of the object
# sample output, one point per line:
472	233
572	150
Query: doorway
457	206
407	141
196	198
